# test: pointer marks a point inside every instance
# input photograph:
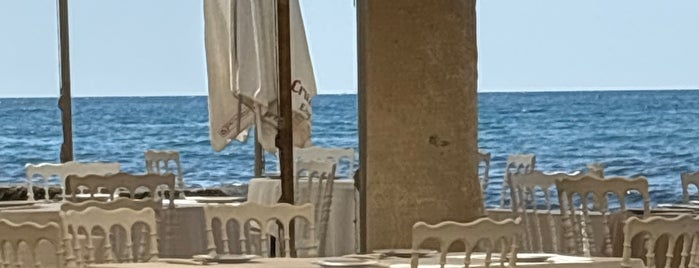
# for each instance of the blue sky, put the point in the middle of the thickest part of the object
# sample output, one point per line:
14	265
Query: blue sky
156	47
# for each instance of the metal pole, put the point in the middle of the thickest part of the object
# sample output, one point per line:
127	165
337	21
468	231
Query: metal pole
259	157
64	102
285	136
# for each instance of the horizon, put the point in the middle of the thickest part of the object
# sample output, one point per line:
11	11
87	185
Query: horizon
343	94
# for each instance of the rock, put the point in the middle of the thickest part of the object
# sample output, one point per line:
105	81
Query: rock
16	193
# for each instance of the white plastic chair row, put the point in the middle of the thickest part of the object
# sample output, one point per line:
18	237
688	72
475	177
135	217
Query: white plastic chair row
72	239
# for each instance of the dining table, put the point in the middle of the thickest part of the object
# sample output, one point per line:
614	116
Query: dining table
370	260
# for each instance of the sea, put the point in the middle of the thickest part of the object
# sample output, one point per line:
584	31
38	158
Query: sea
634	133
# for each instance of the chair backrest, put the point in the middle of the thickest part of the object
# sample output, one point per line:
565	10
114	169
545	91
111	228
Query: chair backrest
88	222
134	204
504	232
264	215
528	202
516	164
652	228
159	162
313	183
166	222
578	230
62	171
315	153
484	177
30	234
122	181
687	180
596	169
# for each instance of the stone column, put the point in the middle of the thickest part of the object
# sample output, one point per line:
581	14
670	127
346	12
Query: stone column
418	117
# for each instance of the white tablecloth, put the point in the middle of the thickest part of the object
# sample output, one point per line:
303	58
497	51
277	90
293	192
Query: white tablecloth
341	239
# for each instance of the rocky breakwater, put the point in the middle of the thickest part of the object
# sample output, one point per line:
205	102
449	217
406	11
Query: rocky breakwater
17	192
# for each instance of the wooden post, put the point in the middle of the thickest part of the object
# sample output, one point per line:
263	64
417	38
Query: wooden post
285	134
64	102
361	99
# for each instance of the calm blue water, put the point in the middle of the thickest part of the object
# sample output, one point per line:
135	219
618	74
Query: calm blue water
649	133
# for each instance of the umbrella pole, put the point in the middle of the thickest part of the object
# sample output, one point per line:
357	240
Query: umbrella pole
64	102
259	157
285	134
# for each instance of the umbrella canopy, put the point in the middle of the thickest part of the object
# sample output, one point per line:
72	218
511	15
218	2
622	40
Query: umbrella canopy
241	57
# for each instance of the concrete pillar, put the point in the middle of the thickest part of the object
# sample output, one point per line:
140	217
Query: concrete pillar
418	117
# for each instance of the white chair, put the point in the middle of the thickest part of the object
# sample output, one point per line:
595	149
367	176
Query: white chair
158	162
525	187
62	171
683	226
578	231
335	155
313	183
596	169
94	222
504	232
264	216
516	164
153	183
166	222
687	180
484	177
31	235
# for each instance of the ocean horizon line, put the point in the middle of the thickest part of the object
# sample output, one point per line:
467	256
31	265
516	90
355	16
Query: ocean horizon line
344	94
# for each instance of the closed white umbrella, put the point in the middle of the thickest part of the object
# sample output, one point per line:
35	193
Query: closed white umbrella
241	55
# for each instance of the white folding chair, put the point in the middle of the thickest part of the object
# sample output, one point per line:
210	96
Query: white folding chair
484	176
528	203
81	227
578	231
687	180
161	162
516	164
504	232
264	216
62	171
313	184
31	235
652	228
153	183
334	155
